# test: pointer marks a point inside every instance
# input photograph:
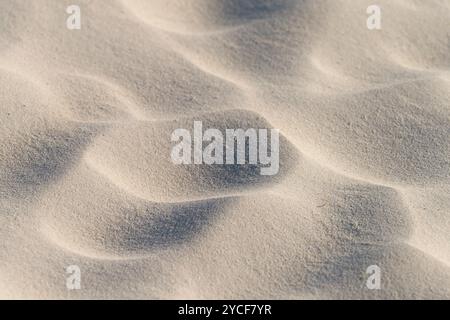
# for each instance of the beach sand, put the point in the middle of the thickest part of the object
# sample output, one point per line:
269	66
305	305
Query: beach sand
86	177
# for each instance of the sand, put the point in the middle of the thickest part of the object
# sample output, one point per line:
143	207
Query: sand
86	178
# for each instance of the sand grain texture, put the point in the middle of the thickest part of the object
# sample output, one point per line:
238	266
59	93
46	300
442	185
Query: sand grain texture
85	171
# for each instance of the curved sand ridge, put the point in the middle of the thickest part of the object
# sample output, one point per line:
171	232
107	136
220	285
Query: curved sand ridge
86	176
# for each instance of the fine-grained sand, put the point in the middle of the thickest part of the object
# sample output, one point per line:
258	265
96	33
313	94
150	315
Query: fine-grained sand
85	172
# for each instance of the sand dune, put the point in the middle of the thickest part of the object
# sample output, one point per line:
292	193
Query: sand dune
86	177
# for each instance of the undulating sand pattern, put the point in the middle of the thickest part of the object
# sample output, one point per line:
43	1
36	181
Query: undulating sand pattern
86	177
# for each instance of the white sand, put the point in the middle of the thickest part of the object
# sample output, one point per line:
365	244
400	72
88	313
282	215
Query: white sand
86	179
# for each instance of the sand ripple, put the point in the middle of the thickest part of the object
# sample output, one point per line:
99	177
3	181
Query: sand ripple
85	174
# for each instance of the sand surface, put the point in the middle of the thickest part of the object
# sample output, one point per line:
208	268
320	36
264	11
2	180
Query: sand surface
86	179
